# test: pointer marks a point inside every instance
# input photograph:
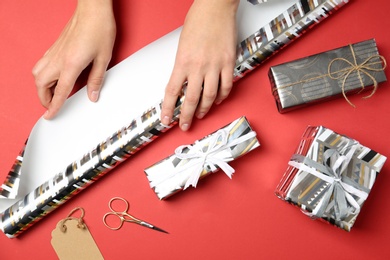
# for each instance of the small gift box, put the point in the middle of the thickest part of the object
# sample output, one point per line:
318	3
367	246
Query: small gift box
191	162
330	176
342	71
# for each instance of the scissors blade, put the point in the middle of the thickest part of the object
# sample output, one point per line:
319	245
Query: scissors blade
148	225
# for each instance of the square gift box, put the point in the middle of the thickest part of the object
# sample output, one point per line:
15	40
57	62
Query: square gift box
211	153
339	72
330	176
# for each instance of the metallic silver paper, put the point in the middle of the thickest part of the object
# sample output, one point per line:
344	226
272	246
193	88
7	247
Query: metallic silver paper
327	75
175	173
330	176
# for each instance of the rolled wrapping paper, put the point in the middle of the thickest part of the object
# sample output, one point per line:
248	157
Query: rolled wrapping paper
83	172
281	31
330	74
255	2
47	171
330	176
210	154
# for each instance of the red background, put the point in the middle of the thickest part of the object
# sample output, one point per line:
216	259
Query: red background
221	218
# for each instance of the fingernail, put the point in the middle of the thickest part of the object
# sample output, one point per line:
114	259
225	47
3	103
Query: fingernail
184	127
200	115
94	96
217	102
166	120
46	114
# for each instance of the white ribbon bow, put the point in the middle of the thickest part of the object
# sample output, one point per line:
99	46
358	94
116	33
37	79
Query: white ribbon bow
331	173
212	157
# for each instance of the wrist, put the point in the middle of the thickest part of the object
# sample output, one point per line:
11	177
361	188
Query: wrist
224	3
216	8
95	5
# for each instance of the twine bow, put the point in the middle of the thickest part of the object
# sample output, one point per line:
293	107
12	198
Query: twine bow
200	156
334	164
365	67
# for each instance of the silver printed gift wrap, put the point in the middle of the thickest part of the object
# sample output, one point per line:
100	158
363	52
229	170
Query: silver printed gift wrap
335	73
255	2
330	176
81	173
281	31
205	156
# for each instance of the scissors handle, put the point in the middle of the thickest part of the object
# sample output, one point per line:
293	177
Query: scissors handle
110	226
121	199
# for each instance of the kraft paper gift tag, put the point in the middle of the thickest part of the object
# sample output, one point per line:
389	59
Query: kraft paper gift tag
71	239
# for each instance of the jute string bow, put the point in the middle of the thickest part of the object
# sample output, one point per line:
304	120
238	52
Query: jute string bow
367	66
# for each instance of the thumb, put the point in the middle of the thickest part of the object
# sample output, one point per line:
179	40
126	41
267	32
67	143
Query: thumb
95	80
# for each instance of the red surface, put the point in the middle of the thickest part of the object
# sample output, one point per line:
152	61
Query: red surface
221	218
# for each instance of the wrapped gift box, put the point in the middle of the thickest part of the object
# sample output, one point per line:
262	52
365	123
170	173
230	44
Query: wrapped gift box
330	176
327	75
191	162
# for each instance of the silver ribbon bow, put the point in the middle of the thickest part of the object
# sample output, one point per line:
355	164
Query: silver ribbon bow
334	164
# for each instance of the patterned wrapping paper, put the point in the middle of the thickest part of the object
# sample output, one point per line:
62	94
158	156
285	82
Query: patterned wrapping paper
286	27
281	31
9	188
330	176
255	2
208	155
342	71
83	172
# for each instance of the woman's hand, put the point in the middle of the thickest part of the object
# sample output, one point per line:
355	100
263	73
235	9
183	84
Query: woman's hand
87	38
205	60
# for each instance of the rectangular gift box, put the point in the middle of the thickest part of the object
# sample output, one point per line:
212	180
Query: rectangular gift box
330	176
342	71
54	190
205	156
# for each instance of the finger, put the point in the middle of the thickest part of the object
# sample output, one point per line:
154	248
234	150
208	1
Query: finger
226	85
209	94
194	90
172	93
95	79
45	79
45	94
62	90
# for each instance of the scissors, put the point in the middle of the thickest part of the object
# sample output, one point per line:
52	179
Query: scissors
125	217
